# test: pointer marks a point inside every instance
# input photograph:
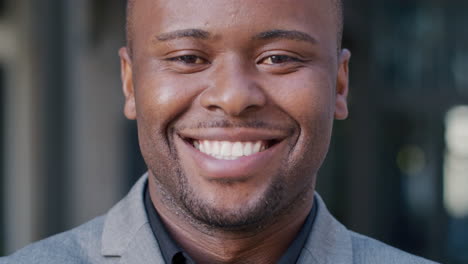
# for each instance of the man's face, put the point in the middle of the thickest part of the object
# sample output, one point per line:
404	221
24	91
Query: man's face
234	101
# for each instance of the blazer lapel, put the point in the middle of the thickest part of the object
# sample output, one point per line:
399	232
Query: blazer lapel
328	242
127	235
143	249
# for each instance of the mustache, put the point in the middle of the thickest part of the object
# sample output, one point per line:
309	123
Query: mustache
256	124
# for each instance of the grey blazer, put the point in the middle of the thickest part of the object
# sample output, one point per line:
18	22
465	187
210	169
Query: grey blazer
124	235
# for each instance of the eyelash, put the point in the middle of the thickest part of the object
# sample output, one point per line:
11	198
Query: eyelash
285	58
186	59
197	60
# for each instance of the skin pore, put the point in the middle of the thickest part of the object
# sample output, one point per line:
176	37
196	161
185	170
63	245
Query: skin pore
237	71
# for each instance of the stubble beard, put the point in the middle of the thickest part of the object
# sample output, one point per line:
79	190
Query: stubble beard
183	198
253	218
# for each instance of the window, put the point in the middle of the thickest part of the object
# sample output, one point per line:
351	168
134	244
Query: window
456	182
456	162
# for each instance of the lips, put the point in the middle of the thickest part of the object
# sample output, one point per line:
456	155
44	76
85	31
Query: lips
231	154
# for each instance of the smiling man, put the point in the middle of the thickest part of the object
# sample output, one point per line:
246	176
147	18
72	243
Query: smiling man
234	102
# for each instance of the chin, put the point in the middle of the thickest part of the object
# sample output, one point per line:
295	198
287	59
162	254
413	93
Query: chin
235	214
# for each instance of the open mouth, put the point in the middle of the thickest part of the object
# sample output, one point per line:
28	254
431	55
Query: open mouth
227	150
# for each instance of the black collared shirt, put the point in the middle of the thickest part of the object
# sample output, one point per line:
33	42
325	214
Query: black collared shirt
174	254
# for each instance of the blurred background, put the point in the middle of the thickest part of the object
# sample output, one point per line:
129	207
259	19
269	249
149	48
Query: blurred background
397	168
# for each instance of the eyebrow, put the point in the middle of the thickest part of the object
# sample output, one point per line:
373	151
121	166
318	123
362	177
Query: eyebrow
285	34
184	33
266	35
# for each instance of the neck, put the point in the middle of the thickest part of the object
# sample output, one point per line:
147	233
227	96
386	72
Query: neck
215	245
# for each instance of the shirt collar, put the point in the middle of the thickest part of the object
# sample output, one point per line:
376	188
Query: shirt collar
294	250
173	253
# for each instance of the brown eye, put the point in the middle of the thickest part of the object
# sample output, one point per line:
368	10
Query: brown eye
278	59
190	59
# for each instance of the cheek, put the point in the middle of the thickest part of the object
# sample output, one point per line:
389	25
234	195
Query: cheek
160	99
308	98
305	96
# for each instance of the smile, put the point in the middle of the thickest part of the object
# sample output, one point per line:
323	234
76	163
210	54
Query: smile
231	154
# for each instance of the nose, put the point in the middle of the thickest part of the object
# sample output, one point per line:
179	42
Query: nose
233	90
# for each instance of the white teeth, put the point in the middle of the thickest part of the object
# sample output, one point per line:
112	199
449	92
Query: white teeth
202	148
216	147
248	149
226	150
207	146
237	149
257	147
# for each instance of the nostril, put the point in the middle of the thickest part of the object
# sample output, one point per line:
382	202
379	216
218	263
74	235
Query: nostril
234	97
251	108
213	108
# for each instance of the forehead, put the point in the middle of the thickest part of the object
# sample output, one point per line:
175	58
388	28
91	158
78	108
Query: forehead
238	17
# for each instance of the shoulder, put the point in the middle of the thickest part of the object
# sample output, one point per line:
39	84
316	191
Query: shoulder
368	250
79	245
101	240
331	242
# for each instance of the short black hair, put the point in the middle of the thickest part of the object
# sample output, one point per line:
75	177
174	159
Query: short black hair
338	4
339	8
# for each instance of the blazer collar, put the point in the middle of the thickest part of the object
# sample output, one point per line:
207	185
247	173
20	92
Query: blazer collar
127	233
329	241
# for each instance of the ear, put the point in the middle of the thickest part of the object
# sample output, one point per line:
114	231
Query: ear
127	83
342	86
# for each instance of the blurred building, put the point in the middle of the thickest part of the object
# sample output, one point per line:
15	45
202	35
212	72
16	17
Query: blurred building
67	149
397	169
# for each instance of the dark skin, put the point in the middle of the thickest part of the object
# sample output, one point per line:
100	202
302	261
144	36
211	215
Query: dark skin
237	71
